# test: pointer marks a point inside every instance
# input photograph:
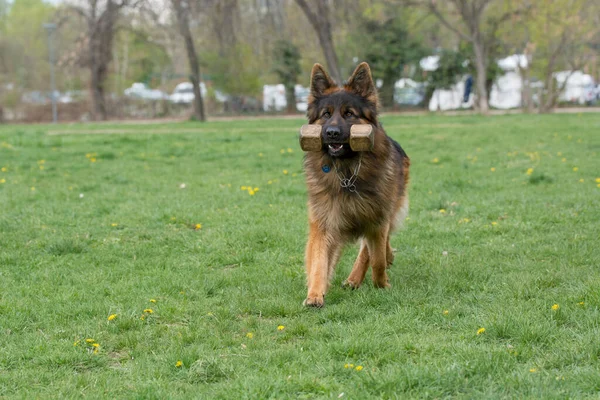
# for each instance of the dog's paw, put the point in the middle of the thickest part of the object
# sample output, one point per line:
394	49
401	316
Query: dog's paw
314	301
348	284
382	284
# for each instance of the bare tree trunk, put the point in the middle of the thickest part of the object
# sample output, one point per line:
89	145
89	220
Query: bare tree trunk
481	68
99	112
319	19
182	12
290	97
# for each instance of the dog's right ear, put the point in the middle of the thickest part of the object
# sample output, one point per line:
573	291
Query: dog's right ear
320	81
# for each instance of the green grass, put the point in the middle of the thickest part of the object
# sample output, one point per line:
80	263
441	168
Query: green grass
105	237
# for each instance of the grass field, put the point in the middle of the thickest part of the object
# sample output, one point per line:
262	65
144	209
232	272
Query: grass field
141	239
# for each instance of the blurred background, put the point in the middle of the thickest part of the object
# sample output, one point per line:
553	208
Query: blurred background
82	60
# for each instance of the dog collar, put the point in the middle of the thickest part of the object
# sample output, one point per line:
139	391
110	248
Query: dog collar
326	168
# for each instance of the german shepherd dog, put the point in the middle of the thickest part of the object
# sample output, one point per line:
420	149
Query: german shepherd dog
351	195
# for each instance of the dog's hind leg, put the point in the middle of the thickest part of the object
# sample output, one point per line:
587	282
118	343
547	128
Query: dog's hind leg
359	270
333	259
389	252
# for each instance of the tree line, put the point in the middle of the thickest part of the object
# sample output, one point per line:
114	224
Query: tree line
103	46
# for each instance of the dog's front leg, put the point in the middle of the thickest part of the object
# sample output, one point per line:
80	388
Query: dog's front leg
318	251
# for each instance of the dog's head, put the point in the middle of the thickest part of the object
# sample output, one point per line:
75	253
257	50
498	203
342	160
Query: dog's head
338	108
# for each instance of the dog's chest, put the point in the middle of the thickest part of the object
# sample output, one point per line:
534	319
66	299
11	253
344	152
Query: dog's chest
350	211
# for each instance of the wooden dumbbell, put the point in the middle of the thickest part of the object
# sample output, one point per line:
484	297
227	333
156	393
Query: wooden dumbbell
361	137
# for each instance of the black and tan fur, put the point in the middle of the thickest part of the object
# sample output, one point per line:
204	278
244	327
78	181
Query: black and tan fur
337	215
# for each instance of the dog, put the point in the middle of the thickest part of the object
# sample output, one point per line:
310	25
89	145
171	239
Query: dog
351	195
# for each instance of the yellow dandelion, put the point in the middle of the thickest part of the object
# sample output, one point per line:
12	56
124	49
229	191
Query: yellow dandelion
442	211
285	171
152	301
33	188
445	312
251	192
435	160
597	180
142	318
260	154
564	159
95	345
494	223
249	335
581	303
198	226
480	331
4	169
529	171
559	154
112	316
93	159
289	150
575	169
256	189
178	364
243	188
2	180
76	343
346	366
280	327
42	162
270	182
282	151
114	224
148	311
555	307
533	370
493	169
581	180
41	167
359	368
89	340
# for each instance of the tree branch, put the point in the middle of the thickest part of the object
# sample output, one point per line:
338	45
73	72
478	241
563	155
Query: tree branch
433	8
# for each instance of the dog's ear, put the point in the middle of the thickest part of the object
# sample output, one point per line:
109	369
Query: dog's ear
319	81
361	82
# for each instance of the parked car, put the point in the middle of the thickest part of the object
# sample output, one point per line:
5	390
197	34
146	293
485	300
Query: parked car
142	91
184	93
274	97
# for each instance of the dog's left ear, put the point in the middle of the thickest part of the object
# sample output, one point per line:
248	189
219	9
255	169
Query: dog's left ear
361	82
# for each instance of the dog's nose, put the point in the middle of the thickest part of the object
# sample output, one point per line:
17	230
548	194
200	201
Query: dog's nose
332	132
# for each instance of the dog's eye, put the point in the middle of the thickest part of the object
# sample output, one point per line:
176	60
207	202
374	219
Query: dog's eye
349	114
326	114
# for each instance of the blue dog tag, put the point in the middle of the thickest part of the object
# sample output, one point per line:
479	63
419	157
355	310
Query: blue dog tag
326	168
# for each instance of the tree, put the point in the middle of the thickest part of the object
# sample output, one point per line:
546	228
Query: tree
470	13
389	48
559	37
286	59
318	17
101	18
182	11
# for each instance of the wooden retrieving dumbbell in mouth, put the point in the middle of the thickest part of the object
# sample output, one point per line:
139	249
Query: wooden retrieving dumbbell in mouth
362	137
